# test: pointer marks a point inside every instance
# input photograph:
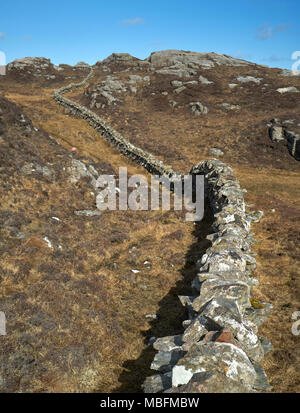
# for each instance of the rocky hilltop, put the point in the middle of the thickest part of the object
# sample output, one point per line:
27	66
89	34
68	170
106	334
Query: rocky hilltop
194	60
85	293
224	92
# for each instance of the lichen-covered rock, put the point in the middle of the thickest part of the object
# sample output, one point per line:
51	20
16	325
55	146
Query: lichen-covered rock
192	59
88	213
293	143
197	328
204	81
20	64
106	89
197	108
231	289
178	71
82	64
179	89
247	79
212	382
226	275
227	314
33	68
79	170
168	343
255	216
261	382
176	83
30	167
229	106
187	302
258	316
287	89
158	383
216	152
222	357
122	59
276	131
266	345
165	360
288	73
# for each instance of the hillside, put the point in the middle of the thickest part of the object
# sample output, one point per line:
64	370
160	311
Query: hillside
84	293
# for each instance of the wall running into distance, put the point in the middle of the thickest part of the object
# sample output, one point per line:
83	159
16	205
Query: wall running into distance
219	349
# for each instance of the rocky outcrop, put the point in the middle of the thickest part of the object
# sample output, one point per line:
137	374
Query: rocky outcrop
197	108
293	143
219	349
193	60
247	79
80	64
107	92
123	61
38	62
38	67
229	106
105	89
216	152
184	64
292	89
288	73
178	70
276	131
279	132
205	81
119	58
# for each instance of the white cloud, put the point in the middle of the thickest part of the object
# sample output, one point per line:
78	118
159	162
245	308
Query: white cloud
133	22
266	31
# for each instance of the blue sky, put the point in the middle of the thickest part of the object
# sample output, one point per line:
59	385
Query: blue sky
265	31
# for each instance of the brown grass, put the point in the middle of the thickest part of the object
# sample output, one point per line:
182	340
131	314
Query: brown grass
277	193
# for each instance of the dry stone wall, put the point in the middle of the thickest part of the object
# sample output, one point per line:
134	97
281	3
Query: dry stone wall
148	161
219	349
